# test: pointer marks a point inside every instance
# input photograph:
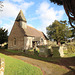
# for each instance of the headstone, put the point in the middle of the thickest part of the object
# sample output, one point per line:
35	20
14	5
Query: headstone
2	66
55	51
61	51
44	51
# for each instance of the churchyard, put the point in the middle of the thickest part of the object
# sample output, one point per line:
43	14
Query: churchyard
12	66
63	55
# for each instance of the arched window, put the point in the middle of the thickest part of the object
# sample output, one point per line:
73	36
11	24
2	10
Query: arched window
41	39
14	41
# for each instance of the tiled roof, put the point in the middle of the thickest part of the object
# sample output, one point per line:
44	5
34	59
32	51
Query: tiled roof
30	31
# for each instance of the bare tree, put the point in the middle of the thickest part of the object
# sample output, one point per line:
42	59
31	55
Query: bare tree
1	5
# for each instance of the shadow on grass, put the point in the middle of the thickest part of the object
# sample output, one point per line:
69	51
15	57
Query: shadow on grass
68	63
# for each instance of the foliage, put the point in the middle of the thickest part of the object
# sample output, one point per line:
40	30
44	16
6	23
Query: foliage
56	51
59	31
3	35
59	2
17	67
73	32
69	6
71	48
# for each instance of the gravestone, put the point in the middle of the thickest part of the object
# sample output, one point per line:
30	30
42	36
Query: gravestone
2	66
44	51
55	51
61	51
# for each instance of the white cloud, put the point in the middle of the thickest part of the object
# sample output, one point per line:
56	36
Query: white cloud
11	9
32	19
30	25
25	5
48	14
10	12
8	26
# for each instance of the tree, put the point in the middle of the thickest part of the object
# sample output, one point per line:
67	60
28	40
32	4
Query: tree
58	31
69	6
1	5
3	35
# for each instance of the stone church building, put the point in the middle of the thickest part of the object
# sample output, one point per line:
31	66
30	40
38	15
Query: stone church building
23	37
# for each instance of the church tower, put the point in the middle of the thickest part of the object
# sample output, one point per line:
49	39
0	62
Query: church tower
22	20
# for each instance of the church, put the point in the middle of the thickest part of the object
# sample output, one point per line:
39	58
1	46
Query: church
24	37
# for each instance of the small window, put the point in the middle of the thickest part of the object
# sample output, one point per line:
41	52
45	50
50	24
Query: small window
41	39
14	41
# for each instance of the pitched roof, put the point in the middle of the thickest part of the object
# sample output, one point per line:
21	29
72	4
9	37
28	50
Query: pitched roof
30	31
21	17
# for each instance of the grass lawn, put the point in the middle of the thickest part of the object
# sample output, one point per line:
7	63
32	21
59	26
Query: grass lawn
17	67
35	56
48	59
67	54
59	66
13	51
70	55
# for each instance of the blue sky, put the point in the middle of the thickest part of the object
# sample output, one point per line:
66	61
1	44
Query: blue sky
38	13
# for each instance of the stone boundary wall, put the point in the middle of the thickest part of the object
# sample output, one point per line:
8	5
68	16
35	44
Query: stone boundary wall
2	66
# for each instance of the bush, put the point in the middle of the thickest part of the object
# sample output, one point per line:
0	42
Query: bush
71	48
56	51
6	46
29	52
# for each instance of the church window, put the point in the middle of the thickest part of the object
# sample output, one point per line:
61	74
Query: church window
41	39
14	41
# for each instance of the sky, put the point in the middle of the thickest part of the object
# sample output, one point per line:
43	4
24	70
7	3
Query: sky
38	13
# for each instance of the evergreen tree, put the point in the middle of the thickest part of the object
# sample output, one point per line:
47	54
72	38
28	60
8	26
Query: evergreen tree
3	35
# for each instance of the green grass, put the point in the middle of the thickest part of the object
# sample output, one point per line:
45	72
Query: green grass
17	67
35	56
48	59
13	51
70	55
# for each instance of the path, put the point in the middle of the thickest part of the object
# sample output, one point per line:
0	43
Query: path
48	67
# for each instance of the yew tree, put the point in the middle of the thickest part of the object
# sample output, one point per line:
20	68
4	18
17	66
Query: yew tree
3	35
69	6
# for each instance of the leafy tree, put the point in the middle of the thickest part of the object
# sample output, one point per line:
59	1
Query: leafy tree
3	35
69	6
58	31
1	5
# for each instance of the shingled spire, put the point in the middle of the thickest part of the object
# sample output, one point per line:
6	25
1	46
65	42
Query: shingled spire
21	17
22	20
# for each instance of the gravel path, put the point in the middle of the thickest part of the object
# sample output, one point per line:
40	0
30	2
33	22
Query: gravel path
64	67
47	68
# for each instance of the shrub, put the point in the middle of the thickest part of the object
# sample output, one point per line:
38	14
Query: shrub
71	48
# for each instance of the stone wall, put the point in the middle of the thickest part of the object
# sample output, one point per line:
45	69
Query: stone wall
2	66
18	34
28	42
